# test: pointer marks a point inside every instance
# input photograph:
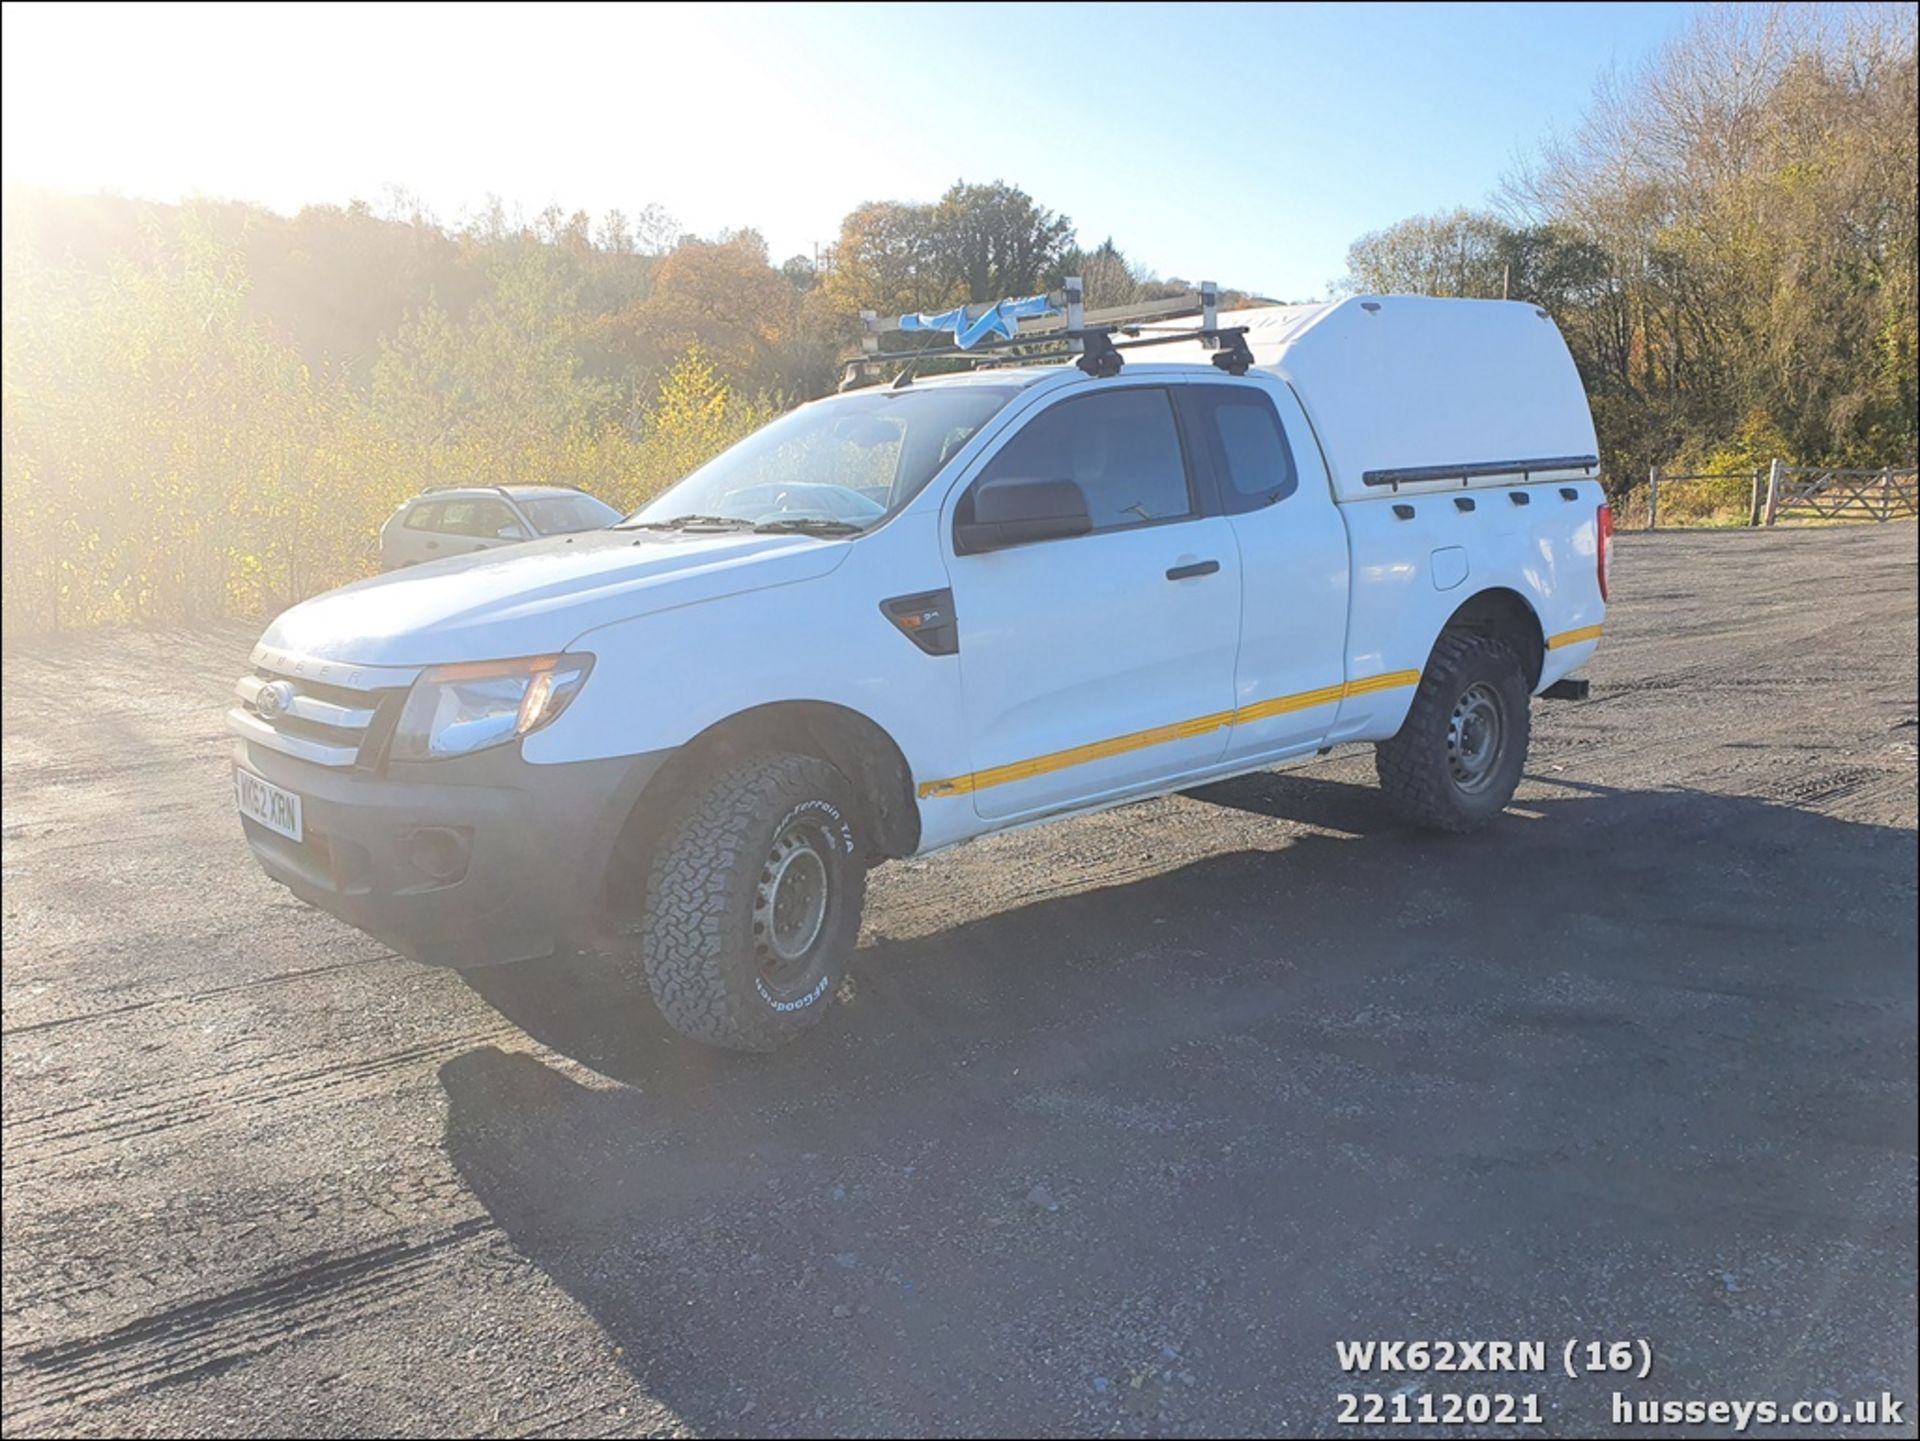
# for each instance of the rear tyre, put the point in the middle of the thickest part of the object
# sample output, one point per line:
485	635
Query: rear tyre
753	902
1457	759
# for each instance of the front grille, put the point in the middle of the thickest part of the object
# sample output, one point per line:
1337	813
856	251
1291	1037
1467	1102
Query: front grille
335	718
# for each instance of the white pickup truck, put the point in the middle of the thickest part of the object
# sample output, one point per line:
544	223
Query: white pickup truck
908	616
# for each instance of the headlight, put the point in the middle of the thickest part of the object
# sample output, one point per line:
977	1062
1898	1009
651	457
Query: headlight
454	710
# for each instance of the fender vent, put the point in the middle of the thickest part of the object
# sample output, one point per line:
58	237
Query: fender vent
926	618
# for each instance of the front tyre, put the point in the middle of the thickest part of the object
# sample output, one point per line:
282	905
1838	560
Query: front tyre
1456	761
753	902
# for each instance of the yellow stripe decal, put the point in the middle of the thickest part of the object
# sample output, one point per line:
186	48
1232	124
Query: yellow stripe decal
1159	735
1573	637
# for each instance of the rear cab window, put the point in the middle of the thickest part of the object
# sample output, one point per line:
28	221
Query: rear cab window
1238	431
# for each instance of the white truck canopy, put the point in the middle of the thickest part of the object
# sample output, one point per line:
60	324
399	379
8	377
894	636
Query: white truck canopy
1409	392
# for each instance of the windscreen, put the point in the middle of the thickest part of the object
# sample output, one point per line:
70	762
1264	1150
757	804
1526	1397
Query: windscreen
850	461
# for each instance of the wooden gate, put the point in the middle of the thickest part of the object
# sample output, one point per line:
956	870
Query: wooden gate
1830	494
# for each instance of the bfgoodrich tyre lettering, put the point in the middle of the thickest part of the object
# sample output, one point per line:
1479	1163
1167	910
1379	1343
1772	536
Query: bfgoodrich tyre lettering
753	902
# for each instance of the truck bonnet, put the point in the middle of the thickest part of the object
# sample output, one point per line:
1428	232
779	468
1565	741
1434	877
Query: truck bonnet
537	598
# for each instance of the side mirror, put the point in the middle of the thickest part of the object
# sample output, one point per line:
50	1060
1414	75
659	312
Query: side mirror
1016	511
513	531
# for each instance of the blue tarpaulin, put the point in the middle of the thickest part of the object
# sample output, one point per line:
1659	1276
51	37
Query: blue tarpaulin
1003	320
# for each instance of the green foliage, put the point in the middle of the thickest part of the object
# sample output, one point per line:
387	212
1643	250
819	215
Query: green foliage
150	426
695	416
977	242
493	396
210	409
995	241
168	457
1727	242
1458	254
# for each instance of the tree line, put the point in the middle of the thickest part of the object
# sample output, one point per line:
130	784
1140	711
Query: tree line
1727	240
208	409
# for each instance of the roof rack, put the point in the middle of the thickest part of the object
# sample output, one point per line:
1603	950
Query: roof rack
1063	327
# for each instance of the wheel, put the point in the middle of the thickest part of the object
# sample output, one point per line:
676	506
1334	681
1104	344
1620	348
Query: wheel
1458	757
753	902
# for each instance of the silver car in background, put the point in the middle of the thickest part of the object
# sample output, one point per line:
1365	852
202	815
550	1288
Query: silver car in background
459	520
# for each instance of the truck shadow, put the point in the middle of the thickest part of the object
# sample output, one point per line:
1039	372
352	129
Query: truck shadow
1151	1129
590	1009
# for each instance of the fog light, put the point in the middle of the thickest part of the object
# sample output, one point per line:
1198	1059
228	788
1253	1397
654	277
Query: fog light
438	854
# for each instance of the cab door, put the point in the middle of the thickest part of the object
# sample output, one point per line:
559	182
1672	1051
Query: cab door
1265	468
1101	663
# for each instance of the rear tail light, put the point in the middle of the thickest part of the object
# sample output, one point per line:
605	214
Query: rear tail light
1603	553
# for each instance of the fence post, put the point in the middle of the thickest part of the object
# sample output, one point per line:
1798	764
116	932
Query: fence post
1753	503
1653	497
1773	490
1886	492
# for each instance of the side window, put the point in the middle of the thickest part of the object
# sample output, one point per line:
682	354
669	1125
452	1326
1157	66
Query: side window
478	518
1121	446
493	516
456	517
1243	437
424	517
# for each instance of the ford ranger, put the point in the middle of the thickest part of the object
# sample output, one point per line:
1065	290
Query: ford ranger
904	617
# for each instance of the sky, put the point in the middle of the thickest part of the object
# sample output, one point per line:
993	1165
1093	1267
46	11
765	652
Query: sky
1248	144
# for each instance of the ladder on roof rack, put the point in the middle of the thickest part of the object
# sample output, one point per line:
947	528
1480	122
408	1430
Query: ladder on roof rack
1065	327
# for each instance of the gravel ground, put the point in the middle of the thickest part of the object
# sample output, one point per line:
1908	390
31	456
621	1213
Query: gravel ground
1127	1122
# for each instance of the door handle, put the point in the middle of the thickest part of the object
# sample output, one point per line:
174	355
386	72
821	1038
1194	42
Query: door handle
1199	567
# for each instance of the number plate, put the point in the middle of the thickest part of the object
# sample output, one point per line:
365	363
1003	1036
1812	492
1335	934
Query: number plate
266	803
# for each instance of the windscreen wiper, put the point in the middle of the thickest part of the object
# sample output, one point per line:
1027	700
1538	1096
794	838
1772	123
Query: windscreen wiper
808	525
692	522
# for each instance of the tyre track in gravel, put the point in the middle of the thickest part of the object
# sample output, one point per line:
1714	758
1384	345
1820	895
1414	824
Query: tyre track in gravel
188	998
202	1337
47	1137
383	1205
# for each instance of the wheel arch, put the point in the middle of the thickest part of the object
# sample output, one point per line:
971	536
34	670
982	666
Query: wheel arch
853	743
1506	615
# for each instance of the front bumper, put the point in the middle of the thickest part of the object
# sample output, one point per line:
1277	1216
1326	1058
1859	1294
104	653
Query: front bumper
473	861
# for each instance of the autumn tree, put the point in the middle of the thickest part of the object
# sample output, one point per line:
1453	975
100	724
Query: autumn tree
887	260
1752	190
721	296
1727	240
976	243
